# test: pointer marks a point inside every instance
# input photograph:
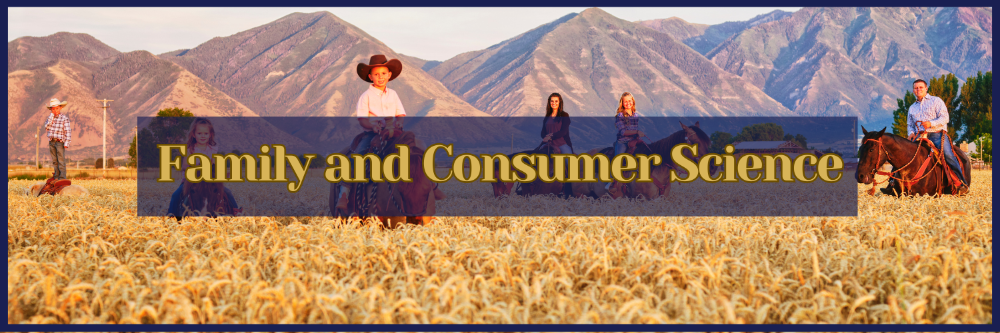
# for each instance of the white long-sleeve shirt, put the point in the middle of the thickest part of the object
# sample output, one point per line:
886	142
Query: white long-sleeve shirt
931	109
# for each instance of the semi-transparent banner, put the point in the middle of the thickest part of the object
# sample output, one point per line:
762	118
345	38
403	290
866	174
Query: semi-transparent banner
484	166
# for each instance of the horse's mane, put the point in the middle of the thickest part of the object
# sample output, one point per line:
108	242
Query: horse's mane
663	146
899	140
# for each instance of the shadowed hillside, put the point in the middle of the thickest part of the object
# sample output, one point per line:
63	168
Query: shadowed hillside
590	59
857	61
139	83
305	65
703	37
28	52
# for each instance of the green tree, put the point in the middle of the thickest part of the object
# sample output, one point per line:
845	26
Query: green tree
801	140
719	141
170	126
761	132
798	139
975	107
900	114
174	112
946	88
132	153
147	156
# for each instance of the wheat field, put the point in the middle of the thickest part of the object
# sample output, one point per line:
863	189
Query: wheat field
91	260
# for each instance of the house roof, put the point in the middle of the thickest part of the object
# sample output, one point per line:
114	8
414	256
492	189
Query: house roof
766	145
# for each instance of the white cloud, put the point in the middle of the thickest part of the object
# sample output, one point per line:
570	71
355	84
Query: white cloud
428	33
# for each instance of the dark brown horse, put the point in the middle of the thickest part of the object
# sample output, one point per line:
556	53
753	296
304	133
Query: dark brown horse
205	199
660	173
536	187
394	204
915	169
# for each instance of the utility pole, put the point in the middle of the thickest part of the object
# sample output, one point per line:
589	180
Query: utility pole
137	148
37	142
104	140
981	157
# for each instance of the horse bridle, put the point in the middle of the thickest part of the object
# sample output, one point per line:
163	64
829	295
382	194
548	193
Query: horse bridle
878	162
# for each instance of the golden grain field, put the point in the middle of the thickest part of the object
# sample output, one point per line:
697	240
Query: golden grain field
90	260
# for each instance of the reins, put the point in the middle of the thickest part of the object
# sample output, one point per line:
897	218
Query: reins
369	207
922	172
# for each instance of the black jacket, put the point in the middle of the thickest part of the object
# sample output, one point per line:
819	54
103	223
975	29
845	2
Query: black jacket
563	132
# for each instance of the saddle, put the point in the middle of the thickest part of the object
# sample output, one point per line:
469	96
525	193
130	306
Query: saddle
622	188
53	186
936	154
357	141
630	149
382	149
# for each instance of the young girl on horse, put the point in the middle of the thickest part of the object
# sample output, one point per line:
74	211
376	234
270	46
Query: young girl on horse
201	140
627	123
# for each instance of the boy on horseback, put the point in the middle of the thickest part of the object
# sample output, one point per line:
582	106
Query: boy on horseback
378	107
930	115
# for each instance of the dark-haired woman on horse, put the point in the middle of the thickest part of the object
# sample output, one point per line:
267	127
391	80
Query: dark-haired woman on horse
555	126
627	123
555	131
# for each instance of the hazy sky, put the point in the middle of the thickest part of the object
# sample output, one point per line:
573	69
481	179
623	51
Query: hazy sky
428	33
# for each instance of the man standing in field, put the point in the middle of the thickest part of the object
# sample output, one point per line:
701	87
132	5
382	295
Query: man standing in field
930	115
59	131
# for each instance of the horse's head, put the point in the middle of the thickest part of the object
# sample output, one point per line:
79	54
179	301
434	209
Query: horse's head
871	156
501	188
694	135
207	196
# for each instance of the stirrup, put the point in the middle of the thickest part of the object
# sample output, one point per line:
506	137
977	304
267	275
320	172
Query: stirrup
342	202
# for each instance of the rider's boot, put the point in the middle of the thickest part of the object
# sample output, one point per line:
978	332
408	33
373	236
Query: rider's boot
342	203
613	190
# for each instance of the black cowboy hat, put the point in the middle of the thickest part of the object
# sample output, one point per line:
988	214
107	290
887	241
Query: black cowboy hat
394	65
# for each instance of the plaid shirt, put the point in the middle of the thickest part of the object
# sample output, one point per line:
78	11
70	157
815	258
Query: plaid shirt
931	109
59	128
626	123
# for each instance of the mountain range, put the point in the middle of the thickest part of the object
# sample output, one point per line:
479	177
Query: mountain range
816	61
857	61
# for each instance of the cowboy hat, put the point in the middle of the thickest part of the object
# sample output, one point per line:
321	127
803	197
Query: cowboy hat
394	65
55	102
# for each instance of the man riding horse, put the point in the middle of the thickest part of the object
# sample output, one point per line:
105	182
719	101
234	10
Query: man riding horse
929	115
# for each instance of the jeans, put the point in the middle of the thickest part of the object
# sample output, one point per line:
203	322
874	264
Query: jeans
58	152
620	148
949	155
363	145
175	201
565	149
365	142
